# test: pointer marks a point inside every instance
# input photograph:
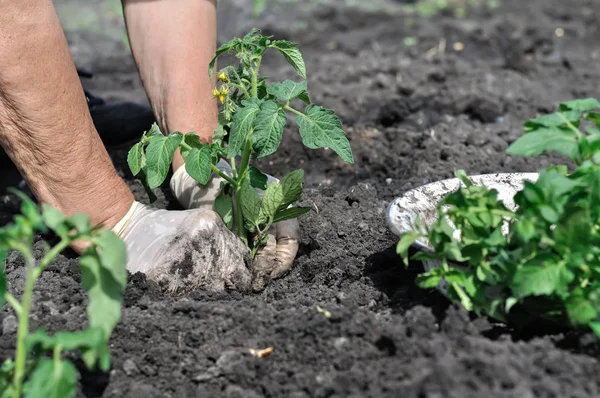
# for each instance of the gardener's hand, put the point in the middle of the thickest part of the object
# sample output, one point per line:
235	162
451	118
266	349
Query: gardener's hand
184	250
273	260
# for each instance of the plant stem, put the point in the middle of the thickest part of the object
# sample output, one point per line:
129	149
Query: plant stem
21	354
254	83
241	230
33	273
297	112
238	192
13	302
223	175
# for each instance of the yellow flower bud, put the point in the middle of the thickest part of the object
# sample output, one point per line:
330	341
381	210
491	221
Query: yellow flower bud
223	77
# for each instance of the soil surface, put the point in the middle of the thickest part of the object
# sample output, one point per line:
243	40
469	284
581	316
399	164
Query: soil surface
414	114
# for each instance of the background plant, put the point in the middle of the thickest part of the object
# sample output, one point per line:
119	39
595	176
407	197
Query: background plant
253	115
38	369
548	265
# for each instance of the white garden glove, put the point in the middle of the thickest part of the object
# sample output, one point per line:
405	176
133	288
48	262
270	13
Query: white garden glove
273	260
184	250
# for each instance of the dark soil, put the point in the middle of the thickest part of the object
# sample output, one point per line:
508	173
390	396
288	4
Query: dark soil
413	116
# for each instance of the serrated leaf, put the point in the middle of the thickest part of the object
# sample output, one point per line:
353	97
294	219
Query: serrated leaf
291	54
268	128
231	45
286	90
428	280
103	275
258	180
80	222
291	213
198	162
304	97
250	203
271	200
544	140
113	255
224	207
149	191
193	141
534	280
135	158
242	124
52	379
291	186
558	119
159	155
580	105
320	128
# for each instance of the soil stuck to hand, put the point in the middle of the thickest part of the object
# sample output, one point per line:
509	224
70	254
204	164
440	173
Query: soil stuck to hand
414	114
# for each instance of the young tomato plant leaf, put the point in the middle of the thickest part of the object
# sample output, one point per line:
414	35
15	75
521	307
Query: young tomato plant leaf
304	97
250	204
292	55
229	46
320	128
291	187
159	155
242	124
135	158
258	180
268	128
291	213
272	200
543	140
224	207
198	162
52	379
535	280
580	105
287	90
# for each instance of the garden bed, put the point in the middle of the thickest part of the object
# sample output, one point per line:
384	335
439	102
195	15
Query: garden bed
413	114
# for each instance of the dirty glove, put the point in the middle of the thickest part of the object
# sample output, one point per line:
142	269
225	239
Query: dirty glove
271	261
184	250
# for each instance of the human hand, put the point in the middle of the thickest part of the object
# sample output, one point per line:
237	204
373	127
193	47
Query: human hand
184	250
273	260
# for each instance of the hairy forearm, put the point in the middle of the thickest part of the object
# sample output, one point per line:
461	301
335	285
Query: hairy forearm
173	42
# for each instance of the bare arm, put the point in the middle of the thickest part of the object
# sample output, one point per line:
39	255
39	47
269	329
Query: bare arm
172	42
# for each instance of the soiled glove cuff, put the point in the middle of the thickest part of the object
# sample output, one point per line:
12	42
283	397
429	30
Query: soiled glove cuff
124	223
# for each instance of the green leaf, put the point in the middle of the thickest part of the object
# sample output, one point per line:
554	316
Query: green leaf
113	256
80	222
320	128
291	54
595	326
304	97
39	337
3	256
292	212
52	379
272	200
89	338
250	203
198	162
231	45
135	158
258	180
581	311
534	280
553	120
406	241
153	132
580	105
224	207
291	186
55	220
544	140
104	276
287	90
268	128
242	124
428	280
465	300
159	155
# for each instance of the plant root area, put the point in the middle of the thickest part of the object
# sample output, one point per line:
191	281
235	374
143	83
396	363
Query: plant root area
348	321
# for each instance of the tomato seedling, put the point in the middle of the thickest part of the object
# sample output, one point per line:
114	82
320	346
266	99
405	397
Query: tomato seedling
548	265
33	373
251	122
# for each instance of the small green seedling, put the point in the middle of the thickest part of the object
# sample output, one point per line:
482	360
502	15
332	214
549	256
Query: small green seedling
548	265
253	115
39	369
